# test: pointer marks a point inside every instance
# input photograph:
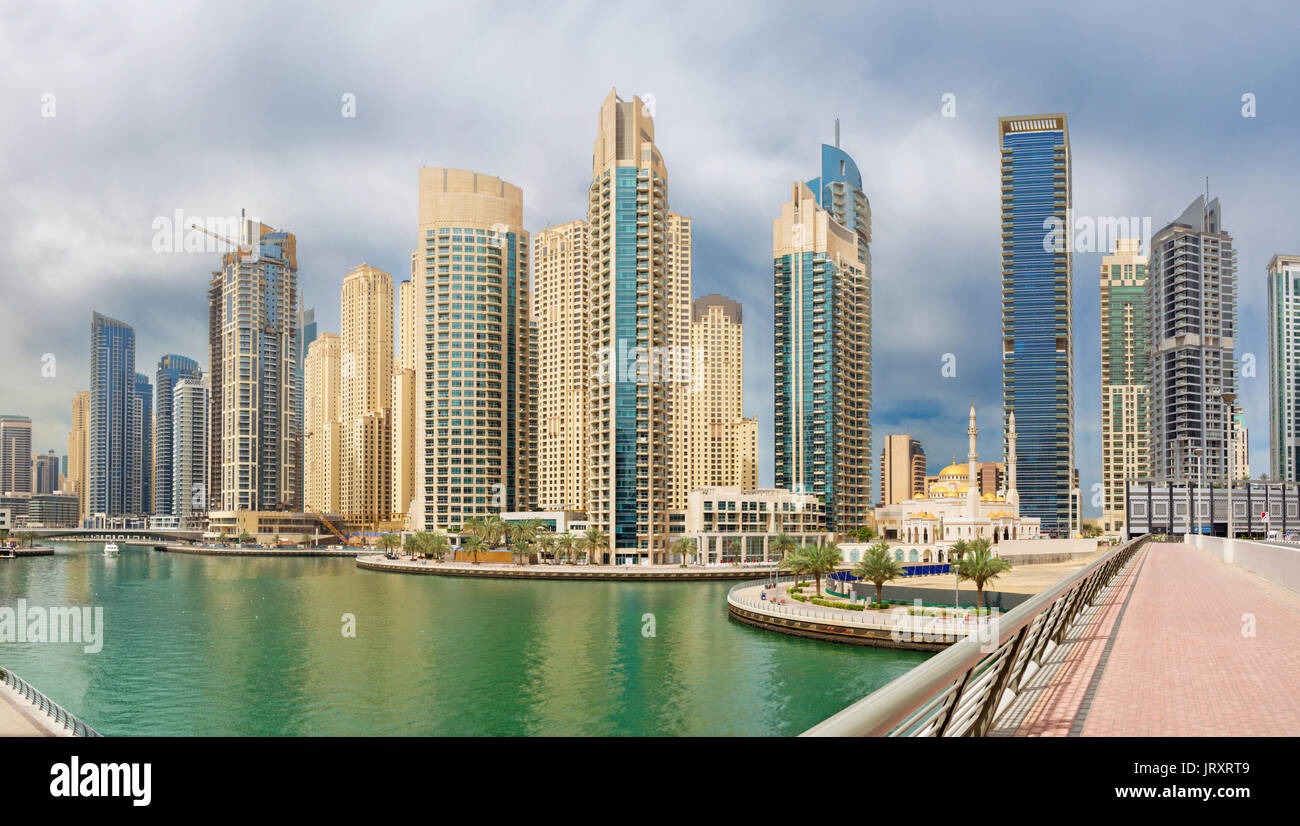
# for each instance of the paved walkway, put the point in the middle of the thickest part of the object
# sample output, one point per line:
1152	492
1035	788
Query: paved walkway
19	718
1181	645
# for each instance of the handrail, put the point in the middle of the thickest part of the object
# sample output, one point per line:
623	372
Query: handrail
943	626
52	709
960	691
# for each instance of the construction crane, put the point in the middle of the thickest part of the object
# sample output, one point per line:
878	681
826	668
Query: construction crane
324	521
238	245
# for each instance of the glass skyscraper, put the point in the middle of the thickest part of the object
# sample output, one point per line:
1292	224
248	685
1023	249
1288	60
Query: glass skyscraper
111	453
171	370
822	267
142	447
1037	322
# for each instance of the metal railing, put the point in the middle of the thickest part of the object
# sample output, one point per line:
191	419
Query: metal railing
53	710
961	691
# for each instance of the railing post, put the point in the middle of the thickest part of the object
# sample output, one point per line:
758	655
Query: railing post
994	699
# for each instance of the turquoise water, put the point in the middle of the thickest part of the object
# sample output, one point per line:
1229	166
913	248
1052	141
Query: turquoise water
198	645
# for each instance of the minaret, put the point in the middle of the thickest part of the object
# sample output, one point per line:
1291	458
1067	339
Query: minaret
972	490
1013	498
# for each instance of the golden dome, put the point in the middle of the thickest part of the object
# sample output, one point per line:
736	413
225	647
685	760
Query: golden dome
988	497
963	488
938	488
961	471
919	496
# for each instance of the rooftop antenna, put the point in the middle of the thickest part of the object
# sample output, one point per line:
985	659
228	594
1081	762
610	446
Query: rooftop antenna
1205	215
837	133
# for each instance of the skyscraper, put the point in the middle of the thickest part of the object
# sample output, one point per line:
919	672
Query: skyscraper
405	409
366	313
722	445
256	401
474	378
1125	377
637	269
1192	302
171	369
78	449
322	383
678	266
189	449
142	447
821	260
45	472
1037	320
15	454
113	452
902	469
1284	368
561	263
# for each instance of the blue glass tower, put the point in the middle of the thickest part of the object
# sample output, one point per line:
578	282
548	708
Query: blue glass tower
110	454
142	428
171	369
822	272
1037	324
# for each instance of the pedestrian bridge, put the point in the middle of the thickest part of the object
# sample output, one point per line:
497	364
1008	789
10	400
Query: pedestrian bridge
117	534
1152	639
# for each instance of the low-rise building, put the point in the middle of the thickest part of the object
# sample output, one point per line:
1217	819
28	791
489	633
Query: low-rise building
731	524
53	510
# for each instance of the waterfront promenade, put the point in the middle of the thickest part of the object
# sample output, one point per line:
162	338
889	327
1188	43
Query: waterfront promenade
620	573
19	717
1183	645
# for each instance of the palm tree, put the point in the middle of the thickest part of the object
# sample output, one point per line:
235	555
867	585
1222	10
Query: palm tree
546	545
878	567
564	544
245	538
783	543
959	549
27	537
865	533
305	540
521	536
223	538
474	545
412	545
593	539
822	559
981	566
436	545
495	530
796	562
683	546
389	541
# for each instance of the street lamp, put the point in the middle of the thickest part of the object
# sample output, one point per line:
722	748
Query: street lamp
1228	400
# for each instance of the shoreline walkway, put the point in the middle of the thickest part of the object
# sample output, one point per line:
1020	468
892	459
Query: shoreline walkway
1183	645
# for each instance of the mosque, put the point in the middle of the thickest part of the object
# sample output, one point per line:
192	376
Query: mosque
954	509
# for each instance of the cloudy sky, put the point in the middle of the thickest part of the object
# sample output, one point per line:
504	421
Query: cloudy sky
207	109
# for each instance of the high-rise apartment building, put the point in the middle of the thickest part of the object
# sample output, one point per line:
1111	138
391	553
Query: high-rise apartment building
405	397
474	377
189	449
322	423
171	370
638	266
1125	377
1192	302
902	469
722	446
45	472
256	400
822	265
1284	368
111	469
142	446
561	263
1037	318
15	454
366	315
678	266
1240	446
78	448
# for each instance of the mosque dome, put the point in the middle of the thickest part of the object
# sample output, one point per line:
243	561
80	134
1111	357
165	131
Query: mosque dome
955	471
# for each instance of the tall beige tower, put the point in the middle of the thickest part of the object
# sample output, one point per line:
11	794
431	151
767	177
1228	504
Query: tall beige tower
635	322
677	261
902	469
404	402
561	310
322	379
722	444
366	316
474	373
78	440
1125	383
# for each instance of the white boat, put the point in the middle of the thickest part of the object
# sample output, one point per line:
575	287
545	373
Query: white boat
110	549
